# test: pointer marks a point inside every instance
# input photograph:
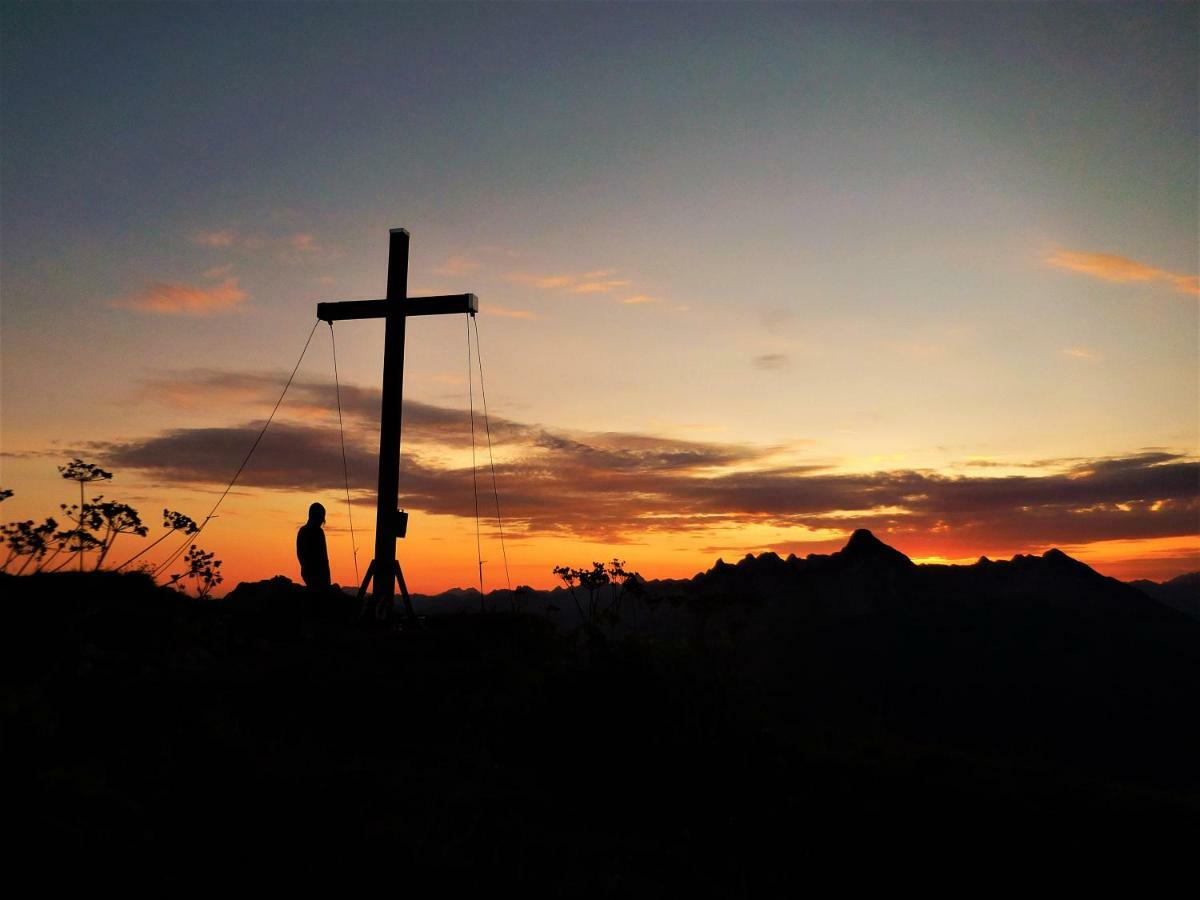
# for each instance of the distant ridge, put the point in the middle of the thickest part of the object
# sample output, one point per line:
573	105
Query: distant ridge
1182	592
867	575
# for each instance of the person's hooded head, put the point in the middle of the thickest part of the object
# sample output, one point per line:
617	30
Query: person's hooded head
316	514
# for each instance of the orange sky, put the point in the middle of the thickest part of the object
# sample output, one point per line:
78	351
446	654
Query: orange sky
668	507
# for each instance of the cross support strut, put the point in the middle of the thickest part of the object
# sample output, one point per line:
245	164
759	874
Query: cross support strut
394	309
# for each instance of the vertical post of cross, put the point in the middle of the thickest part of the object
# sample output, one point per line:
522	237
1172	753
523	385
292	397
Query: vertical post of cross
384	571
389	423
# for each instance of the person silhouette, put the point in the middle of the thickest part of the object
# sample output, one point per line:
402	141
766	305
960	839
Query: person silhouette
311	551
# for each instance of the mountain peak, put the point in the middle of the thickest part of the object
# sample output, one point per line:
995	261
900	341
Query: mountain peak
1057	558
863	539
863	545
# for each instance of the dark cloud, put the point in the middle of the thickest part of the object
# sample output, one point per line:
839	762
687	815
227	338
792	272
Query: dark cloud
616	486
307	401
290	456
771	361
1026	464
1141	496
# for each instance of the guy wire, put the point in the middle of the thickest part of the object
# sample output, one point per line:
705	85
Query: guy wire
345	466
491	461
474	476
191	539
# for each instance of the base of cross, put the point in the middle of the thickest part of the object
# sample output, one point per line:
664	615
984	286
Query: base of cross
377	605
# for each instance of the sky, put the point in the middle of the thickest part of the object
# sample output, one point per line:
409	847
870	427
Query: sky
750	276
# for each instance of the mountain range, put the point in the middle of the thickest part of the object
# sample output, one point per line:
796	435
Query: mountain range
868	576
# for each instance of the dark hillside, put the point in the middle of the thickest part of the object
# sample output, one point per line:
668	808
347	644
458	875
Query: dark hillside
1181	593
771	716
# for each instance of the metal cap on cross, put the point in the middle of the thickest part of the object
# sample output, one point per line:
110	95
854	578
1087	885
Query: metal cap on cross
395	309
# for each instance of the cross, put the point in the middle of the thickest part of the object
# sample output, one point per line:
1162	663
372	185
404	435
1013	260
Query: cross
392	523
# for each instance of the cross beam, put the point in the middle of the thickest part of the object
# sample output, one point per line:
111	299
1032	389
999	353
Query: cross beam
441	305
395	309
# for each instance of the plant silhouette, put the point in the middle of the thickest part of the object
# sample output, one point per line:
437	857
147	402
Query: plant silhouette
27	539
116	519
84	473
172	521
603	605
203	568
95	526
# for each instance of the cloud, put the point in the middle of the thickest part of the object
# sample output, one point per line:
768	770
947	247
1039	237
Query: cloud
987	462
456	265
304	246
291	456
218	272
580	487
303	242
300	246
1120	269
596	281
545	282
250	393
771	361
597	287
618	486
537	496
254	393
1079	353
176	299
567	483
493	309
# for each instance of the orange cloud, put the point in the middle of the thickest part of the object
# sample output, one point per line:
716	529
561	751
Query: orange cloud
597	287
1120	269
545	282
456	265
304	242
593	282
596	281
1079	353
1188	284
493	310
304	246
175	299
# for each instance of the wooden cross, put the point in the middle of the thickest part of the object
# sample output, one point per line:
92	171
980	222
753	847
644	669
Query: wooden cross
392	523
